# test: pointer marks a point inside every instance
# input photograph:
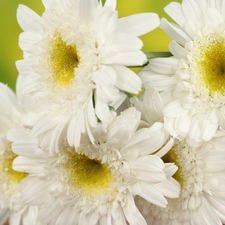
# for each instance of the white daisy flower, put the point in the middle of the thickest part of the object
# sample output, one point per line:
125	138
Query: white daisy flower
75	63
11	207
95	184
201	174
192	82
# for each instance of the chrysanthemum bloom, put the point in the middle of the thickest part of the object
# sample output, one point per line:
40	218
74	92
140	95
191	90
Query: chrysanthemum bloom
11	207
95	184
201	174
75	63
192	81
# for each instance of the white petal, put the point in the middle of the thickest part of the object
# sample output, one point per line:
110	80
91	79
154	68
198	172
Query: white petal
153	101
150	194
175	32
30	216
23	66
162	65
19	134
223	9
165	148
218	205
8	103
170	169
148	163
75	128
106	76
175	109
68	214
138	24
127	58
91	117
31	185
127	80
43	126
169	188
147	140
47	3
123	127
131	212
205	215
15	218
27	40
191	10
110	3
50	211
56	135
102	110
174	10
87	9
215	161
123	42
23	164
28	19
106	29
177	50
215	18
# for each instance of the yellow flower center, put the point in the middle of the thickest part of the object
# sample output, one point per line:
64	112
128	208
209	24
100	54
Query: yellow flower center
211	65
172	157
89	175
63	60
8	171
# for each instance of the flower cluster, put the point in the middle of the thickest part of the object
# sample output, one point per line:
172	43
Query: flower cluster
85	140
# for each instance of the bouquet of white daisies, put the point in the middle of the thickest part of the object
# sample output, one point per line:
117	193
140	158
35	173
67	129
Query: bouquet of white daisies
85	140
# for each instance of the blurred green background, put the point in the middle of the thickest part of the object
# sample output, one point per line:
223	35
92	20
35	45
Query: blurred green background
10	30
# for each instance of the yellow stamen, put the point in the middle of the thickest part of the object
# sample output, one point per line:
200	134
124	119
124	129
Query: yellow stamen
211	65
172	157
89	175
63	60
8	170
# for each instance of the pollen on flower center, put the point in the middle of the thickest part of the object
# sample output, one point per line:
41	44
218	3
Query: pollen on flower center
172	156
7	170
211	65
189	173
89	175
63	60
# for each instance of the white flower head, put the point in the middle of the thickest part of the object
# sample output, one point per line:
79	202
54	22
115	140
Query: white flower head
192	81
75	62
11	207
201	173
96	184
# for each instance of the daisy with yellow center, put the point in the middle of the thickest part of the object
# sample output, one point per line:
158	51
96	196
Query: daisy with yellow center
75	64
201	176
63	60
11	207
192	81
97	183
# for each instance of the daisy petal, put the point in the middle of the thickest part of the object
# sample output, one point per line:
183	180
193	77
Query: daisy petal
28	19
138	23
132	214
152	196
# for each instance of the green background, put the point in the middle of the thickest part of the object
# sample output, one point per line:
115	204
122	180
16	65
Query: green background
10	30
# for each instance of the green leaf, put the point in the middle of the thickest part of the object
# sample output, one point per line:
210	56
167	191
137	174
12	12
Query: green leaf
152	55
103	2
